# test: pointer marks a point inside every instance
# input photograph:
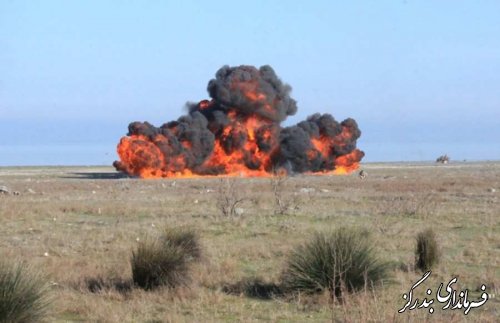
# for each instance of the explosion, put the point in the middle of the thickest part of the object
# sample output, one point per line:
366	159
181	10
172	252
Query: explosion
238	133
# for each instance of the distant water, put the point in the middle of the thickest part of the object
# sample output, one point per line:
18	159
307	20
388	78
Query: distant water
60	155
105	154
458	151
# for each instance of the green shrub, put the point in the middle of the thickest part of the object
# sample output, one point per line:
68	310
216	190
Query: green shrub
343	260
426	250
23	294
165	260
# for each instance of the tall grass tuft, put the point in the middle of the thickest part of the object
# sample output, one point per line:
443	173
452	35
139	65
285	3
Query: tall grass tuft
426	250
340	261
165	261
23	294
184	238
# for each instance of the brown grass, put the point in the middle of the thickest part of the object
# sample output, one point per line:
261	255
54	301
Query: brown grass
87	225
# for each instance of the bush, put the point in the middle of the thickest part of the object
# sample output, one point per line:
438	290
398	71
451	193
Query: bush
23	294
165	261
342	260
228	197
184	238
426	251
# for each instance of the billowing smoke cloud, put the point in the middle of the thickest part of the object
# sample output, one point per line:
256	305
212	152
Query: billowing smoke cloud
252	92
238	132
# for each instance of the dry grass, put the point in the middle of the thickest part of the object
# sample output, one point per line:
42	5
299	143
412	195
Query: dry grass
79	224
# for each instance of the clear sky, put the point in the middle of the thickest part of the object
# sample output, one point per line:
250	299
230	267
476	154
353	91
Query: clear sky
420	77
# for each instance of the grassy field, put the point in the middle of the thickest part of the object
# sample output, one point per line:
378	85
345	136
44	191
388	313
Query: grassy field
78	224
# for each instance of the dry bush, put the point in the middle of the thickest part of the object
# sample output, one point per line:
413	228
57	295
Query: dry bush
229	196
426	250
283	202
341	261
23	294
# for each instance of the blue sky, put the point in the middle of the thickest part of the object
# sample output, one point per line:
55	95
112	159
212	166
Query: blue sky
412	73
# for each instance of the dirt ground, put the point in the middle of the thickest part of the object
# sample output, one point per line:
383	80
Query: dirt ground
75	224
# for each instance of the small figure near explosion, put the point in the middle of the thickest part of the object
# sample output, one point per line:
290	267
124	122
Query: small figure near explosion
238	132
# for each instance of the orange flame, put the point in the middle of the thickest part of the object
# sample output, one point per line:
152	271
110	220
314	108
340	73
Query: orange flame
141	156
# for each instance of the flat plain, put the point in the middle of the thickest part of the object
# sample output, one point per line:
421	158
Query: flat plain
79	225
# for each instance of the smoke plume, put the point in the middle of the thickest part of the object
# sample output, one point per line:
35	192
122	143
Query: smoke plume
238	132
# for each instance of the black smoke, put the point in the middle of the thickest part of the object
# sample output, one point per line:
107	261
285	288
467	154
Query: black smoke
237	94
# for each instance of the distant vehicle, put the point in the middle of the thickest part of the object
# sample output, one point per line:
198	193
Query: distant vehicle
444	159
